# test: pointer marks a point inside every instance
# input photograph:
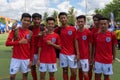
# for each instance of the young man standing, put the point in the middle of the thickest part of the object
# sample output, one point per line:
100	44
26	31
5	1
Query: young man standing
105	43
35	28
83	47
22	55
94	29
47	55
67	53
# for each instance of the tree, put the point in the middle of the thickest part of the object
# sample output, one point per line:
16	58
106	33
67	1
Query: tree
2	20
113	7
55	16
98	11
71	16
44	17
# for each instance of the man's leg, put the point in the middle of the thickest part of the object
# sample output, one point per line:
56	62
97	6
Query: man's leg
52	77
12	76
42	75
65	73
25	76
73	74
33	72
97	76
80	74
90	72
106	77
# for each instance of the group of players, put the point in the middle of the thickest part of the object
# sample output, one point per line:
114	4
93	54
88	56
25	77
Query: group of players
82	48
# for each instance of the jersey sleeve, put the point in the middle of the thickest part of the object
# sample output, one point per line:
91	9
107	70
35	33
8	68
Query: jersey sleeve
10	40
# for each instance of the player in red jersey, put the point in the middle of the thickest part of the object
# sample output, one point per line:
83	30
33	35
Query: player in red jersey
83	47
47	56
94	29
105	43
22	55
35	28
67	53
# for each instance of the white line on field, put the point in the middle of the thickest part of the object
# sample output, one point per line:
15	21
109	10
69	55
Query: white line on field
117	59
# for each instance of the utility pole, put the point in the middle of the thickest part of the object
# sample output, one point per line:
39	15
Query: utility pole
86	11
25	5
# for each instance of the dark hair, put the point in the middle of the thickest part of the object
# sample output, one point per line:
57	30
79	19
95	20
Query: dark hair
62	13
104	18
50	18
34	15
97	16
26	15
81	16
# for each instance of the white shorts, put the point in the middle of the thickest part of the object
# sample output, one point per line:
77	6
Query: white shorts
84	64
44	67
68	61
35	59
18	64
106	69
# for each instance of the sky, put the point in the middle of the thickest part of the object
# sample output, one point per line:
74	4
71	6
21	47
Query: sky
14	8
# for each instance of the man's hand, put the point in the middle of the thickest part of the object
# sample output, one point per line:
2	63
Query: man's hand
23	41
49	42
30	64
14	26
38	63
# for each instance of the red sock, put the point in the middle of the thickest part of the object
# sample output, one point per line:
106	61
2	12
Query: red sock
96	78
34	74
90	74
72	77
106	78
52	78
65	76
80	75
86	77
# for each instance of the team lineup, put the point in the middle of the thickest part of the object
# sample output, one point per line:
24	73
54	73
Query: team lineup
85	51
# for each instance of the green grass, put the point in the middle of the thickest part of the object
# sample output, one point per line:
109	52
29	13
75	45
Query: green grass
5	56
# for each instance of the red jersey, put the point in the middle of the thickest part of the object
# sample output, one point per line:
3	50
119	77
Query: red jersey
103	43
20	51
95	30
84	38
36	31
67	36
48	54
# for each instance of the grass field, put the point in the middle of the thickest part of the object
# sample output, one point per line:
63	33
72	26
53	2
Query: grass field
5	56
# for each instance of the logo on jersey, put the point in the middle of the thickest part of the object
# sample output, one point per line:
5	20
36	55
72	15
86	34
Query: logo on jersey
28	36
69	32
53	40
108	39
84	37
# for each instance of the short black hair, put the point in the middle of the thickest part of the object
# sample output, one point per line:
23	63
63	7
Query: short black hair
81	16
97	16
34	15
26	15
62	13
104	18
50	18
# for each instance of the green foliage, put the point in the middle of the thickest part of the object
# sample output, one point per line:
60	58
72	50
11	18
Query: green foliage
2	20
44	17
71	16
55	16
114	7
